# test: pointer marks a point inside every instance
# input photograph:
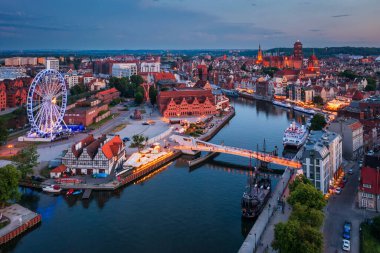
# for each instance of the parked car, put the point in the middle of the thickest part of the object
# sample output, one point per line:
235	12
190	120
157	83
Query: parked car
370	152
346	235
145	123
347	226
342	184
350	171
125	139
338	190
346	245
344	179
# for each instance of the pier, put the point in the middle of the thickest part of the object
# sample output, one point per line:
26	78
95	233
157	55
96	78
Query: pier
20	218
87	194
202	159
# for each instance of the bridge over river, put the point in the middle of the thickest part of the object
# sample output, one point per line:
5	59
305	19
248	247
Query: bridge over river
188	145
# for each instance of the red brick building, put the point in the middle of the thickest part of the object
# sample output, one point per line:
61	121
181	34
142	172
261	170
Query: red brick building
186	102
369	186
86	113
3	97
107	96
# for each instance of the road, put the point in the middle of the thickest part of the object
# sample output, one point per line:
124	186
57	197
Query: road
341	208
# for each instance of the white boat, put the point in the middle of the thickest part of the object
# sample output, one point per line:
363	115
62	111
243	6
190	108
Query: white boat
295	135
286	105
304	110
52	189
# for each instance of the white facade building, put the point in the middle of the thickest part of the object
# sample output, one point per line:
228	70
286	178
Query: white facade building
124	69
321	158
150	67
52	63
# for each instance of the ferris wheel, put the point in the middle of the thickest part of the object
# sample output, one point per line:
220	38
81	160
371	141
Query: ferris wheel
46	103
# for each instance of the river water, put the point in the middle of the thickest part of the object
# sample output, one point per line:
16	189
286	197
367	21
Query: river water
174	210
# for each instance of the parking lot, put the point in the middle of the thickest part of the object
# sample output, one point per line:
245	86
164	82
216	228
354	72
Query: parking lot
343	208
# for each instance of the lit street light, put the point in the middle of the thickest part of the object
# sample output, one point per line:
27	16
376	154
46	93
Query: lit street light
10	146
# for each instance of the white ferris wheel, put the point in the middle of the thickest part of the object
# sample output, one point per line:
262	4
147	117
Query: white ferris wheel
46	104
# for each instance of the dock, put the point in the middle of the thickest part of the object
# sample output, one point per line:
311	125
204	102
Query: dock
87	194
20	220
202	159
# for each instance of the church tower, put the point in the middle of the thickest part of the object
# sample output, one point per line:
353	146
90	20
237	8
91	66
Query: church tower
259	55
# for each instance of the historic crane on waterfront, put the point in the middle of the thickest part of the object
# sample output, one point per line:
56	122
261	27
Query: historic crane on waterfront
189	145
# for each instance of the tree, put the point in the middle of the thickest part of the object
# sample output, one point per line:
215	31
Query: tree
295	237
308	216
371	86
318	100
153	95
9	177
137	80
138	141
307	195
298	180
3	132
26	160
78	89
285	237
318	122
139	98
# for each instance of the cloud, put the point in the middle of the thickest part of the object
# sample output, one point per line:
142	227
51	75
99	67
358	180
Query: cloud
341	15
315	30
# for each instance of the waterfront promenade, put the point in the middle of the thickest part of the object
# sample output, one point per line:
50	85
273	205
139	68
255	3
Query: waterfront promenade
261	235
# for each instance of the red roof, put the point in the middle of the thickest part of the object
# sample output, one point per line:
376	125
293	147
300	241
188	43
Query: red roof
109	91
61	168
356	125
164	76
112	147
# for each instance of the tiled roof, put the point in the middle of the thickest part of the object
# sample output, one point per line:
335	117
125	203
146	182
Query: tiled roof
112	147
109	91
61	168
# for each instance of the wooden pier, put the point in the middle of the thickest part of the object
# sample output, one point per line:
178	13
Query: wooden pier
87	194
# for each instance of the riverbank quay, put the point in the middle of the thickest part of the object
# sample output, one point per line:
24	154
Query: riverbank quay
261	235
20	218
144	170
254	96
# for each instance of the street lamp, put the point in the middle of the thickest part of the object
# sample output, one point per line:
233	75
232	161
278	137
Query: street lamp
10	146
255	242
268	212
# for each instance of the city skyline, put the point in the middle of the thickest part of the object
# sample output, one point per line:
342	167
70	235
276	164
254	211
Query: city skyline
183	24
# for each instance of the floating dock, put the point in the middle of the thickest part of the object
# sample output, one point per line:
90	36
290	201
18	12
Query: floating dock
87	194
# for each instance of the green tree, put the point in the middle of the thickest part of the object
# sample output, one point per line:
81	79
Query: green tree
9	178
371	86
295	237
318	100
26	160
307	195
305	215
298	180
139	98
137	80
138	141
318	122
3	132
78	89
153	95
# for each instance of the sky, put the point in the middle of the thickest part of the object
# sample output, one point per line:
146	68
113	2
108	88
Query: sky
187	24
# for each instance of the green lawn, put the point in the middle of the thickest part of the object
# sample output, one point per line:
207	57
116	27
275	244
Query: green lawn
368	243
103	121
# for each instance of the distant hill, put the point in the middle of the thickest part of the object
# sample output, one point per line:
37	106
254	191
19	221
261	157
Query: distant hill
320	52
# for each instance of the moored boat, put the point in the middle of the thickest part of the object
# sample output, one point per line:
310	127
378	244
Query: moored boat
52	189
304	110
282	104
295	135
69	192
77	192
256	195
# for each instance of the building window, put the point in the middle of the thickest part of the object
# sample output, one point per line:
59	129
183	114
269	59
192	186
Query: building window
367	186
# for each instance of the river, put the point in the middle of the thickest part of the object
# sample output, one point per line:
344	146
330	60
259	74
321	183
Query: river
174	210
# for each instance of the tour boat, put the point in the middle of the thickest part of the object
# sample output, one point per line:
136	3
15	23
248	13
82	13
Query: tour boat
256	196
295	135
282	104
304	110
52	189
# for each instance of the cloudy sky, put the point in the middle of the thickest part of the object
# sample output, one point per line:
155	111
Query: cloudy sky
187	24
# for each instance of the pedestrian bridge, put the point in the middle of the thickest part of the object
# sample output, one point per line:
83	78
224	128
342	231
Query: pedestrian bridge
188	145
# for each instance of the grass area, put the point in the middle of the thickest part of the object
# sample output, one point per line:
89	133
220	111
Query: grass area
119	128
368	242
103	121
